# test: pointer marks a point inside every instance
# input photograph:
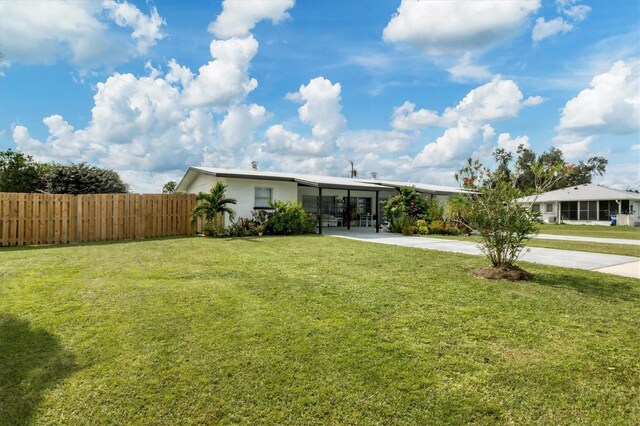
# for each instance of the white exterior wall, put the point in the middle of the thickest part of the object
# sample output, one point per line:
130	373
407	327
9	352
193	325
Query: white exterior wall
243	190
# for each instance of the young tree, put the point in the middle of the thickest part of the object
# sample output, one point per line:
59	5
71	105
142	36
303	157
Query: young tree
212	205
169	187
492	210
20	173
82	178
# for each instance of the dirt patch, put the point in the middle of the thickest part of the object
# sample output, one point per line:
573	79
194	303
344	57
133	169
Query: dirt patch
509	273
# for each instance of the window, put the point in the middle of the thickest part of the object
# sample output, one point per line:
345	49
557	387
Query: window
569	210
535	207
588	210
625	207
549	207
263	198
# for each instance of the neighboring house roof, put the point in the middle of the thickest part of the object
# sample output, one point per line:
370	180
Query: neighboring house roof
312	180
584	192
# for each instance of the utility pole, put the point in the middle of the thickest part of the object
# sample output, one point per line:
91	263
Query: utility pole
354	172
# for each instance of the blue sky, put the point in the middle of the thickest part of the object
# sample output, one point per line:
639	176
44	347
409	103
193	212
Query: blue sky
408	89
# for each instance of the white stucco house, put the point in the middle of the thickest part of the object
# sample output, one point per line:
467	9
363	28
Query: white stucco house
588	204
255	190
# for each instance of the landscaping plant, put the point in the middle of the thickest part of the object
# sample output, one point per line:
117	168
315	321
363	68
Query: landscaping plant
211	208
288	218
491	209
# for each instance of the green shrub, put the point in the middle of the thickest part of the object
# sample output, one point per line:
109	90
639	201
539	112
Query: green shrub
288	218
438	227
397	223
244	227
422	227
409	229
213	229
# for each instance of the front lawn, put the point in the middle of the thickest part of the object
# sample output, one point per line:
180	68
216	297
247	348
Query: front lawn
308	330
597	231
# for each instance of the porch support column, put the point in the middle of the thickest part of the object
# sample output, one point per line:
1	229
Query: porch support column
319	210
348	209
377	212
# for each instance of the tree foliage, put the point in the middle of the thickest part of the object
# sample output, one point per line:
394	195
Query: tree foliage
213	204
82	178
169	187
405	208
20	173
491	209
527	167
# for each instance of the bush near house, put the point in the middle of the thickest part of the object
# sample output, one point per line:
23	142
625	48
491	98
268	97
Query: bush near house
409	213
286	218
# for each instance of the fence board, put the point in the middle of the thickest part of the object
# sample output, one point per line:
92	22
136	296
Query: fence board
61	219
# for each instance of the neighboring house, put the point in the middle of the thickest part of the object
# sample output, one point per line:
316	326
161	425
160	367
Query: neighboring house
588	204
255	190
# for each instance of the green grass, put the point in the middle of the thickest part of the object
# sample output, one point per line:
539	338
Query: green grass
605	248
308	330
626	232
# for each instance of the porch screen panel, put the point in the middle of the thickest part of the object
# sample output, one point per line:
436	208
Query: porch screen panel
329	205
569	210
588	210
607	208
310	203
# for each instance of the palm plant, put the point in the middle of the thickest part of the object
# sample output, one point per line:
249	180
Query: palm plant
213	204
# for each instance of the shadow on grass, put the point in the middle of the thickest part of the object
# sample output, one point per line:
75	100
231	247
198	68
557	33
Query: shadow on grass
31	361
613	288
89	244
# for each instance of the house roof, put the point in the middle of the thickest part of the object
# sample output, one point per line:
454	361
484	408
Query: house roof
584	192
420	187
314	180
301	179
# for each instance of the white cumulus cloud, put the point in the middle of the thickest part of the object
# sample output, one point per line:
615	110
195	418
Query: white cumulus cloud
146	29
224	80
468	123
321	108
511	144
45	31
238	17
572	14
445	27
405	117
610	106
544	29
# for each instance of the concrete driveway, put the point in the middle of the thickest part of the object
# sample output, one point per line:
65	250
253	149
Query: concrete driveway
626	266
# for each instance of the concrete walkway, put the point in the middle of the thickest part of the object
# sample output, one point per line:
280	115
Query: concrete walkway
626	266
588	239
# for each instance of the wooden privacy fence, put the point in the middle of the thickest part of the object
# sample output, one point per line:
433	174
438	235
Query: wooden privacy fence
27	219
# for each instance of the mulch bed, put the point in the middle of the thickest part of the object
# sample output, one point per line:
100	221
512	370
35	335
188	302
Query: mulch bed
509	273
